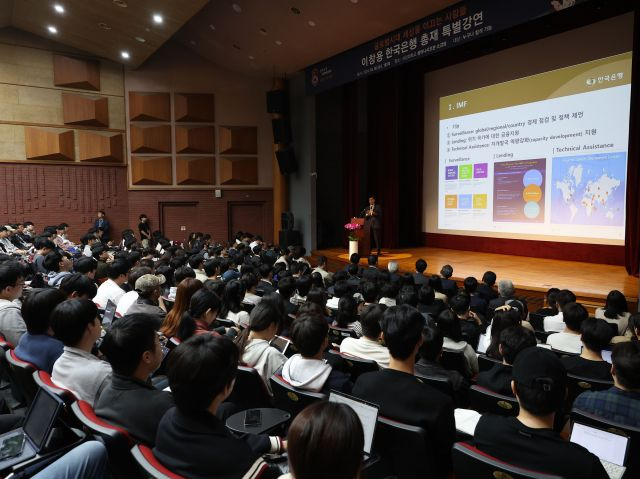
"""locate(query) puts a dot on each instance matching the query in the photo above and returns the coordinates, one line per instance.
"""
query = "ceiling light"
(52, 29)
(140, 39)
(58, 8)
(263, 31)
(157, 18)
(125, 55)
(278, 42)
(212, 27)
(251, 57)
(311, 23)
(104, 26)
(236, 7)
(295, 10)
(120, 3)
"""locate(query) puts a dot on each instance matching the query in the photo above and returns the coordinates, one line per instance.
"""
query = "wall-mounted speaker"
(281, 131)
(286, 161)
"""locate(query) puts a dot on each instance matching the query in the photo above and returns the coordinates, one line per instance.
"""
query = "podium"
(364, 236)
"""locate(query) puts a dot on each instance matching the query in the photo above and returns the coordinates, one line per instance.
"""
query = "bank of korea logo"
(315, 77)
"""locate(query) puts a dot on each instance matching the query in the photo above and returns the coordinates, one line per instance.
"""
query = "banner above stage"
(461, 23)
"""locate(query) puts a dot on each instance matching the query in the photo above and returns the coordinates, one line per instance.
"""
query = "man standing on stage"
(372, 214)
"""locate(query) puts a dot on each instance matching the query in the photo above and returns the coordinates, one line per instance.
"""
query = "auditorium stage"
(531, 276)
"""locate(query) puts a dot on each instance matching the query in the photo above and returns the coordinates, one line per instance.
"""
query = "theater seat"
(249, 390)
(149, 465)
(471, 463)
(356, 365)
(484, 401)
(116, 439)
(43, 380)
(336, 334)
(440, 383)
(454, 361)
(485, 362)
(404, 450)
(22, 373)
(292, 399)
(576, 385)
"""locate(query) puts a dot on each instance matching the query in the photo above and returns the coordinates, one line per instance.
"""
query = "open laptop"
(24, 443)
(280, 343)
(610, 448)
(109, 314)
(368, 414)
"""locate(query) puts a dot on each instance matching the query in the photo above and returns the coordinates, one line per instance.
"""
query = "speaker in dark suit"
(372, 215)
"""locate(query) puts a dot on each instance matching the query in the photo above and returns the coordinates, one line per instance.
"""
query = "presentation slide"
(541, 155)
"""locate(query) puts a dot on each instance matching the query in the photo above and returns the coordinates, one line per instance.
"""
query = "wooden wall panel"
(72, 72)
(44, 144)
(195, 139)
(149, 106)
(238, 140)
(194, 107)
(239, 171)
(84, 110)
(100, 147)
(151, 139)
(195, 170)
(151, 170)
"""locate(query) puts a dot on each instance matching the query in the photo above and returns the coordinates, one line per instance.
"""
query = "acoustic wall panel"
(151, 139)
(149, 106)
(52, 145)
(84, 110)
(151, 170)
(99, 147)
(195, 170)
(194, 107)
(238, 171)
(72, 72)
(195, 139)
(238, 140)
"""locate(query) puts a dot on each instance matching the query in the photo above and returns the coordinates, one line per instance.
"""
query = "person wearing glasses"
(135, 351)
(12, 326)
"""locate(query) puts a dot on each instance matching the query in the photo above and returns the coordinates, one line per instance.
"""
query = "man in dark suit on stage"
(372, 214)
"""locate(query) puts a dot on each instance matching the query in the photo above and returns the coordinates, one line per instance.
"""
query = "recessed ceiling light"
(125, 55)
(58, 8)
(251, 57)
(104, 26)
(212, 27)
(263, 31)
(52, 29)
(140, 39)
(236, 7)
(278, 42)
(157, 18)
(311, 23)
(120, 3)
(295, 10)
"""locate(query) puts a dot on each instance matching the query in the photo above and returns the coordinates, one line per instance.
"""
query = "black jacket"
(375, 220)
(134, 406)
(497, 379)
(404, 398)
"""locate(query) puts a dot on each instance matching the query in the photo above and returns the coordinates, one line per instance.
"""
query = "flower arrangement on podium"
(352, 228)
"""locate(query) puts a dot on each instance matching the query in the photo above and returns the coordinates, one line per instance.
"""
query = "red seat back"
(150, 465)
(22, 372)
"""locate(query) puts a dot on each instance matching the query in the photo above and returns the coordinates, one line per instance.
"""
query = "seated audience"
(253, 341)
(403, 397)
(388, 293)
(131, 296)
(528, 440)
(111, 289)
(506, 291)
(347, 315)
(504, 317)
(266, 279)
(325, 440)
(78, 285)
(184, 292)
(552, 307)
(86, 266)
(12, 326)
(43, 246)
(196, 262)
(470, 323)
(231, 308)
(427, 302)
(197, 319)
(250, 282)
(429, 365)
(476, 302)
(615, 311)
(513, 341)
(38, 346)
(134, 350)
(59, 267)
(307, 370)
(369, 345)
(449, 286)
(340, 290)
(555, 323)
(486, 288)
(191, 440)
(286, 289)
(595, 335)
(621, 403)
(149, 301)
(573, 314)
(449, 325)
(75, 322)
(419, 277)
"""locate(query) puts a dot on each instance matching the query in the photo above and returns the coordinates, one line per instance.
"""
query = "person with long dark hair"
(231, 308)
(615, 311)
(347, 316)
(203, 310)
(185, 291)
(449, 325)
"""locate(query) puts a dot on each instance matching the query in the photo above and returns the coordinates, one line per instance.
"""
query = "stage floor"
(532, 276)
